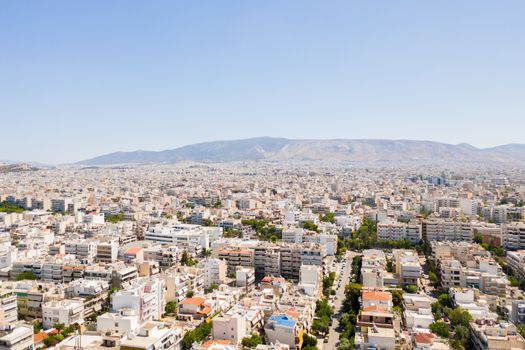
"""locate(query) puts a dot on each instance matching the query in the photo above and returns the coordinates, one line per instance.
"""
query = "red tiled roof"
(39, 337)
(216, 341)
(423, 338)
(382, 296)
(197, 301)
(133, 250)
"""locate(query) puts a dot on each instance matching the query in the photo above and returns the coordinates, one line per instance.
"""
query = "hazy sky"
(83, 78)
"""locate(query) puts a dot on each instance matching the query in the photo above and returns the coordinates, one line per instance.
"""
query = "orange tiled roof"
(39, 337)
(382, 296)
(423, 338)
(197, 301)
(205, 310)
(133, 250)
(216, 341)
(374, 308)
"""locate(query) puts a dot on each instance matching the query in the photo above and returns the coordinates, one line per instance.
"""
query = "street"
(333, 335)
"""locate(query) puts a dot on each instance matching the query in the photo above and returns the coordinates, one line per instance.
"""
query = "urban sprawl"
(266, 256)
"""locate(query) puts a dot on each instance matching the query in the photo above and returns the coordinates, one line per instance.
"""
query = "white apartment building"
(397, 231)
(514, 236)
(244, 276)
(294, 235)
(267, 259)
(145, 296)
(230, 327)
(310, 279)
(82, 249)
(407, 267)
(516, 261)
(469, 207)
(8, 307)
(123, 321)
(451, 273)
(445, 230)
(185, 235)
(16, 337)
(153, 336)
(107, 252)
(182, 280)
(214, 272)
(64, 311)
(373, 268)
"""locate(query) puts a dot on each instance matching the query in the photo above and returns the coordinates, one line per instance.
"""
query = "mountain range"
(281, 149)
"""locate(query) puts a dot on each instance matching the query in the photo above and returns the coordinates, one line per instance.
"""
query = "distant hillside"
(279, 149)
(15, 167)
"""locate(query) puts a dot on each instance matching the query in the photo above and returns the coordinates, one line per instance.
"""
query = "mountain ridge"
(282, 149)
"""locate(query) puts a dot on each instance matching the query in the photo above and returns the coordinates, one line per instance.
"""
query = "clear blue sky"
(83, 78)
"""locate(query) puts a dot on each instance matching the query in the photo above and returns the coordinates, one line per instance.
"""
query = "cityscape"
(262, 175)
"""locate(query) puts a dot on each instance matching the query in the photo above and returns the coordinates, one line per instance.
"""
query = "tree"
(207, 222)
(26, 275)
(189, 294)
(171, 307)
(309, 341)
(186, 259)
(58, 326)
(440, 328)
(462, 335)
(411, 289)
(513, 281)
(328, 217)
(8, 207)
(114, 218)
(478, 238)
(346, 344)
(433, 278)
(459, 316)
(444, 300)
(521, 329)
(389, 267)
(196, 335)
(212, 287)
(310, 226)
(397, 297)
(252, 341)
(321, 325)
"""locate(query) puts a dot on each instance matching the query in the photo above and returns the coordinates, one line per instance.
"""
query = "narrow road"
(333, 335)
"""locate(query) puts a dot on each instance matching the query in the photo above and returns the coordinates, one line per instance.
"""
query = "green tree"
(189, 294)
(196, 335)
(212, 287)
(8, 207)
(462, 335)
(114, 218)
(346, 344)
(328, 217)
(444, 300)
(309, 341)
(478, 238)
(26, 275)
(440, 328)
(459, 316)
(310, 226)
(186, 260)
(432, 276)
(397, 297)
(252, 341)
(411, 289)
(207, 222)
(171, 307)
